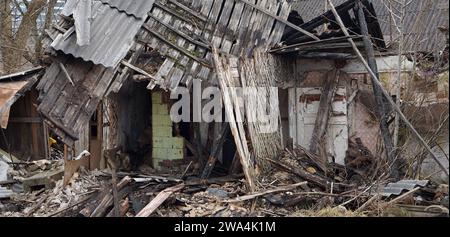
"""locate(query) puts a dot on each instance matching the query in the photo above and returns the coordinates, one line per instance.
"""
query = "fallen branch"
(159, 200)
(366, 204)
(316, 180)
(255, 195)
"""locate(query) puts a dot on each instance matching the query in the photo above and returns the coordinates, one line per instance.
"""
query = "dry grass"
(328, 212)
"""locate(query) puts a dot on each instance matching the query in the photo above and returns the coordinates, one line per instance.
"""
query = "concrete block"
(45, 179)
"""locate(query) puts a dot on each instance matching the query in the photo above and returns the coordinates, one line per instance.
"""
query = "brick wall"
(166, 148)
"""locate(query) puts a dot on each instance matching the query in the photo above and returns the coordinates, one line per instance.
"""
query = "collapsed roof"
(108, 40)
(424, 21)
(13, 87)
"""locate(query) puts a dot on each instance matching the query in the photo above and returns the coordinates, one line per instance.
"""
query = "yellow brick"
(159, 153)
(160, 109)
(161, 120)
(177, 143)
(156, 98)
(175, 154)
(162, 131)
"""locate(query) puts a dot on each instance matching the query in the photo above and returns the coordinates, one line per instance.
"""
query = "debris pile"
(297, 186)
(47, 202)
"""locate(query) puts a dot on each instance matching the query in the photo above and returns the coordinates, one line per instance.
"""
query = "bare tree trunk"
(38, 48)
(6, 35)
(14, 46)
(398, 92)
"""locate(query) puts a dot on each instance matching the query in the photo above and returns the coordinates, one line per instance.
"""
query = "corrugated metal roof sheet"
(422, 21)
(69, 7)
(401, 186)
(112, 35)
(137, 8)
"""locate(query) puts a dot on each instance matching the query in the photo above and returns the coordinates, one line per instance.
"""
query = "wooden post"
(217, 147)
(237, 128)
(381, 109)
(326, 105)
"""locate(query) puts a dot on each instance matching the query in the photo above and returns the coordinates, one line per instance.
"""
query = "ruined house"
(114, 64)
(22, 126)
(121, 74)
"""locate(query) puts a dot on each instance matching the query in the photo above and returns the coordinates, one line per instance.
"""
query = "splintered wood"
(325, 108)
(256, 77)
(226, 79)
(159, 199)
(184, 31)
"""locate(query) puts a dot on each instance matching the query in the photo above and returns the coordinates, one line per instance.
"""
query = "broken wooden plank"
(281, 20)
(259, 194)
(217, 147)
(313, 179)
(178, 48)
(219, 180)
(111, 160)
(66, 73)
(20, 74)
(325, 108)
(107, 201)
(136, 69)
(159, 200)
(188, 10)
(180, 33)
(224, 75)
(124, 207)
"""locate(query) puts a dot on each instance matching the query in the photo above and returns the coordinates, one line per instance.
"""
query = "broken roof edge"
(86, 60)
(30, 82)
(111, 21)
(138, 11)
(20, 74)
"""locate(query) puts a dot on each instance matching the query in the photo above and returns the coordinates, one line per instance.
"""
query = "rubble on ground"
(292, 192)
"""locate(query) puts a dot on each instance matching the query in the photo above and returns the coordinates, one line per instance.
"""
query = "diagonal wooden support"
(325, 108)
(388, 97)
(382, 107)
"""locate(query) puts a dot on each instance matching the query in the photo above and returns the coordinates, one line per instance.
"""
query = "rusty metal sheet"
(10, 92)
